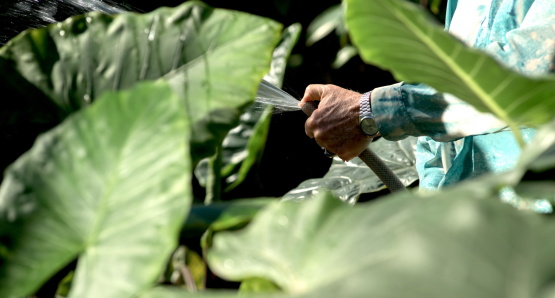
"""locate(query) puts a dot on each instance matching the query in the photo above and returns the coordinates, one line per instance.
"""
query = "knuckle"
(318, 136)
(309, 123)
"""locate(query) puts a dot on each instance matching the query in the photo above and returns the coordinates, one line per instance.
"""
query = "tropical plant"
(459, 242)
(333, 20)
(57, 70)
(125, 120)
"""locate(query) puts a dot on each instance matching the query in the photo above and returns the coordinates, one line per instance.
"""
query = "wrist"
(367, 122)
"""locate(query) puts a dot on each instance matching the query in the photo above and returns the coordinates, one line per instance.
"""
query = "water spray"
(270, 94)
(19, 15)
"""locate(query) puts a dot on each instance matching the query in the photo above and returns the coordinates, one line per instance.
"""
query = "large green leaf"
(206, 53)
(457, 243)
(221, 216)
(281, 54)
(400, 36)
(245, 143)
(540, 154)
(174, 292)
(109, 186)
(325, 23)
(344, 55)
(349, 180)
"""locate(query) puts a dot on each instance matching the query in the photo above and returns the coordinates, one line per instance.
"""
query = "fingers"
(349, 151)
(309, 126)
(312, 93)
(334, 124)
(307, 130)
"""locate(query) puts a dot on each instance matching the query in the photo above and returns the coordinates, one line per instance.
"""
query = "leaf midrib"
(472, 84)
(398, 12)
(112, 180)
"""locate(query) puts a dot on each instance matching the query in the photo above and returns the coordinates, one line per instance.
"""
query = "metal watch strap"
(366, 118)
(365, 107)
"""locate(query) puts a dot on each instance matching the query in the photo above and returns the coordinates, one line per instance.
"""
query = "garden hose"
(370, 158)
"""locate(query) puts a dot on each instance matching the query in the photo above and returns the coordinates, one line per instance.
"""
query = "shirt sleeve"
(403, 110)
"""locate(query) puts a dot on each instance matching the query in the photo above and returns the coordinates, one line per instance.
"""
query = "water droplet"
(151, 35)
(89, 20)
(62, 33)
(87, 98)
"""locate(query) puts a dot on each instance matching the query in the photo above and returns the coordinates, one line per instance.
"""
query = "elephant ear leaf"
(350, 180)
(244, 145)
(58, 69)
(399, 36)
(75, 61)
(88, 186)
(401, 246)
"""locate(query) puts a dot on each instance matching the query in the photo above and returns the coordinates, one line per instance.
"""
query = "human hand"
(335, 124)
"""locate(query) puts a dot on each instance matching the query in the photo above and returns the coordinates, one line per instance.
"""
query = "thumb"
(312, 93)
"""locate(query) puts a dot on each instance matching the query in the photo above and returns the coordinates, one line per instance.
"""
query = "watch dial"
(368, 126)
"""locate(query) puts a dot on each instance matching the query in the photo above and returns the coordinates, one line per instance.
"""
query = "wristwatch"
(366, 118)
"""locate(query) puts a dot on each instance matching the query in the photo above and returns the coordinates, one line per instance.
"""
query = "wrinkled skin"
(334, 125)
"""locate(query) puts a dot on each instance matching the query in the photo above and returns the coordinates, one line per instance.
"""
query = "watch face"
(368, 126)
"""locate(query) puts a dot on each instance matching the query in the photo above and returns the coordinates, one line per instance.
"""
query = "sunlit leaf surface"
(244, 144)
(398, 36)
(109, 187)
(330, 20)
(349, 180)
(58, 69)
(457, 243)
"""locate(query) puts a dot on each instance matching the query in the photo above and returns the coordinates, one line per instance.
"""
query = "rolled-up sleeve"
(403, 110)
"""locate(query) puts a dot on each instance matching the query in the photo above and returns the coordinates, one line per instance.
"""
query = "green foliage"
(349, 180)
(58, 69)
(222, 216)
(79, 191)
(382, 29)
(459, 242)
(244, 144)
(332, 19)
(258, 285)
(110, 186)
(289, 38)
(85, 190)
(467, 246)
(174, 292)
